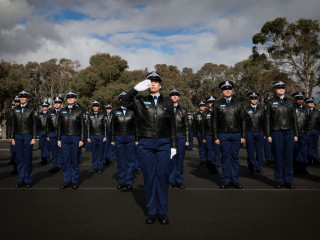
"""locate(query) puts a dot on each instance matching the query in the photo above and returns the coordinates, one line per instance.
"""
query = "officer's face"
(12, 106)
(310, 105)
(175, 98)
(95, 108)
(299, 101)
(210, 104)
(280, 91)
(57, 105)
(71, 100)
(23, 100)
(109, 110)
(44, 109)
(227, 92)
(189, 116)
(254, 101)
(202, 108)
(154, 87)
(16, 103)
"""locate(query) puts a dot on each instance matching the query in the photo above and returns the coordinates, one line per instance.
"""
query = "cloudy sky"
(185, 33)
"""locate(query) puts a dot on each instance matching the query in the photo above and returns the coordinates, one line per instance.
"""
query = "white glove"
(141, 86)
(173, 152)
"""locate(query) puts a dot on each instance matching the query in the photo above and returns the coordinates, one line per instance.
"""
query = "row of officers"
(152, 132)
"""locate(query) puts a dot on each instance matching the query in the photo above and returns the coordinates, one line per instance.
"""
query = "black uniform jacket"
(182, 125)
(153, 121)
(53, 119)
(314, 123)
(228, 119)
(71, 122)
(255, 119)
(122, 125)
(24, 122)
(280, 116)
(197, 122)
(108, 118)
(206, 124)
(96, 124)
(190, 124)
(42, 119)
(303, 118)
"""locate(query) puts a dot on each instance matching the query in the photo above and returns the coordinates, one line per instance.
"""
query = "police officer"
(197, 128)
(109, 149)
(191, 134)
(313, 136)
(157, 143)
(53, 117)
(123, 136)
(43, 133)
(268, 154)
(23, 136)
(255, 117)
(282, 132)
(206, 135)
(176, 174)
(14, 103)
(229, 131)
(70, 139)
(87, 144)
(97, 136)
(300, 147)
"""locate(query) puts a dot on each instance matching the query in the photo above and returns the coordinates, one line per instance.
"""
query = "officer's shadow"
(244, 173)
(200, 171)
(140, 197)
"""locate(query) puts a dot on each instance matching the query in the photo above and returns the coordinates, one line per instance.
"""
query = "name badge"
(275, 103)
(147, 103)
(250, 112)
(52, 114)
(209, 115)
(222, 105)
(64, 112)
(91, 116)
(17, 110)
(119, 113)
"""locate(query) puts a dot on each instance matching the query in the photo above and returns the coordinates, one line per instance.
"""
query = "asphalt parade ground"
(97, 210)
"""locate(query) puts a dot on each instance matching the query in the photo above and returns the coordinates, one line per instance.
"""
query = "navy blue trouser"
(126, 158)
(24, 157)
(13, 156)
(154, 154)
(255, 142)
(57, 158)
(202, 151)
(300, 153)
(97, 150)
(230, 144)
(138, 164)
(212, 148)
(44, 147)
(190, 147)
(268, 154)
(313, 140)
(70, 151)
(176, 173)
(283, 144)
(87, 145)
(109, 149)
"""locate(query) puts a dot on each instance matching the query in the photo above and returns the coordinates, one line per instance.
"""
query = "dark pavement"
(97, 210)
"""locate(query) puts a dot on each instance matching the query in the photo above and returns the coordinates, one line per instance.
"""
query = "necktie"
(95, 115)
(254, 109)
(22, 109)
(175, 109)
(155, 98)
(228, 102)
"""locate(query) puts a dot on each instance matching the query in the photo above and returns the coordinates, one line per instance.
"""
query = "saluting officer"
(43, 133)
(23, 136)
(191, 134)
(282, 132)
(97, 136)
(157, 142)
(255, 119)
(206, 135)
(176, 174)
(123, 136)
(229, 131)
(197, 128)
(313, 137)
(70, 139)
(109, 149)
(57, 157)
(300, 147)
(268, 153)
(14, 103)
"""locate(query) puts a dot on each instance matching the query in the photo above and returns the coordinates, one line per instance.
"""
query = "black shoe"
(213, 171)
(64, 185)
(163, 219)
(75, 185)
(14, 172)
(237, 185)
(100, 171)
(28, 185)
(181, 185)
(43, 162)
(54, 170)
(289, 185)
(277, 185)
(94, 171)
(137, 171)
(150, 219)
(269, 162)
(224, 185)
(203, 163)
(121, 186)
(19, 185)
(260, 171)
(129, 186)
(113, 163)
(251, 171)
(172, 185)
(305, 172)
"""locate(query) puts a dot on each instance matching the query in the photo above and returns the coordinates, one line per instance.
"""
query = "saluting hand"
(143, 85)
